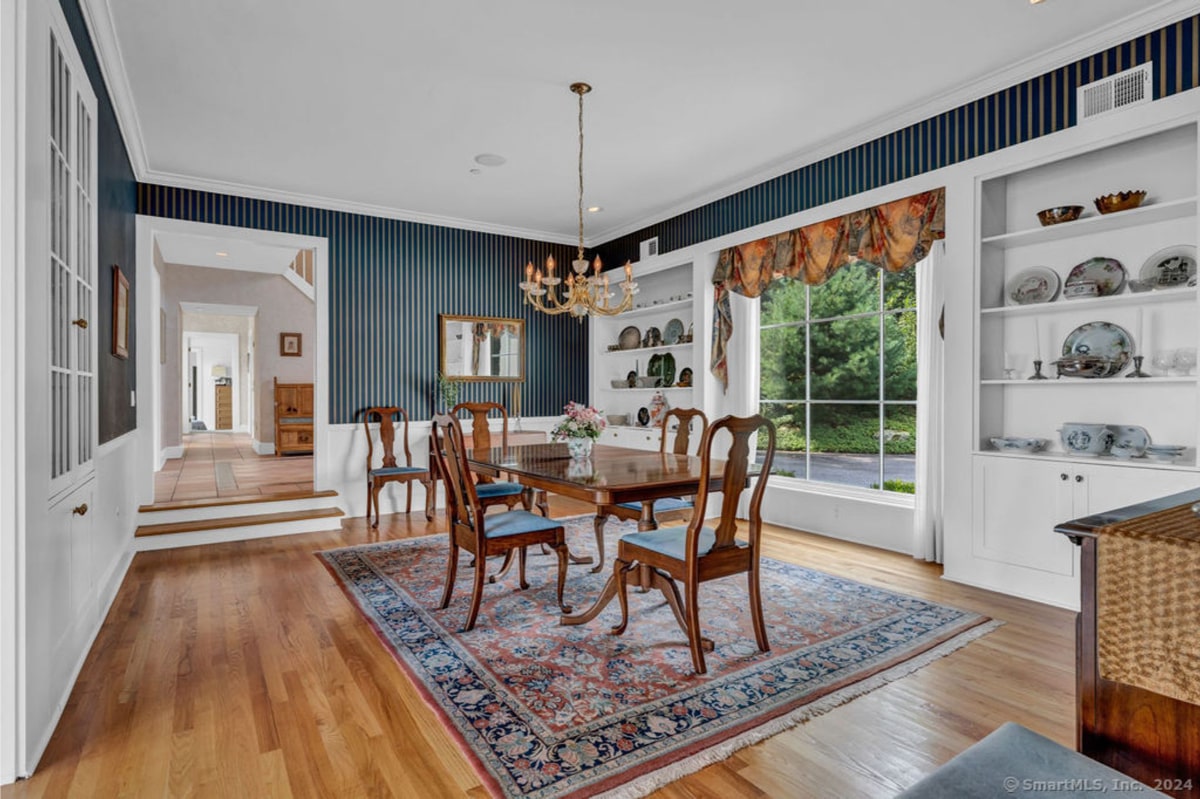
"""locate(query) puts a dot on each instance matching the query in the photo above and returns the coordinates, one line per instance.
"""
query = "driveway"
(848, 469)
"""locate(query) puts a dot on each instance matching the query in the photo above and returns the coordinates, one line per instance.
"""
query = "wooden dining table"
(611, 475)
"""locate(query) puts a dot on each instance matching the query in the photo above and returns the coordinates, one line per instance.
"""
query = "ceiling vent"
(1131, 87)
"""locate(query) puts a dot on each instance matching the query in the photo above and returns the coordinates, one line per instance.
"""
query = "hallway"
(224, 465)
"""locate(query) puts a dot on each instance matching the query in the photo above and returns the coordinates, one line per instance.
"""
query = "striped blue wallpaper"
(388, 281)
(1038, 106)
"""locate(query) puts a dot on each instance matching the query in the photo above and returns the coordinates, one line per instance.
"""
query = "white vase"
(579, 447)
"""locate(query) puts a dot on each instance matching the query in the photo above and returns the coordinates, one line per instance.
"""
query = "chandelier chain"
(581, 176)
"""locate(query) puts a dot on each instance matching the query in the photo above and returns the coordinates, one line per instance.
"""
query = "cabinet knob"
(1063, 476)
(1079, 478)
(80, 509)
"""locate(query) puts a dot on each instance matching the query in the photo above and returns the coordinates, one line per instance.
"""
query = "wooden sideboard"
(1150, 736)
(293, 418)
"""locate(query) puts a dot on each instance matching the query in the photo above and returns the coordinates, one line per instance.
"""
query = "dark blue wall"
(388, 281)
(1038, 106)
(115, 209)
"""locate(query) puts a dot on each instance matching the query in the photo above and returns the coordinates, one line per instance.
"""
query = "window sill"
(892, 499)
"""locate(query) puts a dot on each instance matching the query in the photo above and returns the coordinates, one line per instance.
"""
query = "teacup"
(1084, 288)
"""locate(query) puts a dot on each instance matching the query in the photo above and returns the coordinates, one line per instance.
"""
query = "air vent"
(1131, 87)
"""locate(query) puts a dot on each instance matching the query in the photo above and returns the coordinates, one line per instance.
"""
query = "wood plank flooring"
(241, 670)
(225, 465)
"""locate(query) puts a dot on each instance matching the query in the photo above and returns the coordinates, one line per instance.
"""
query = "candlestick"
(1137, 368)
(1037, 372)
(1138, 345)
(1037, 339)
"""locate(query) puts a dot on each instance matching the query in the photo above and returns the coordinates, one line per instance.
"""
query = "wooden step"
(236, 521)
(184, 504)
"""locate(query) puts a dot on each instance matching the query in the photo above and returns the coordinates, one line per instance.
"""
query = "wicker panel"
(1148, 597)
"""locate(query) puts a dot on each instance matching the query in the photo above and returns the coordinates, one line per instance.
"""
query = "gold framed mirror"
(482, 348)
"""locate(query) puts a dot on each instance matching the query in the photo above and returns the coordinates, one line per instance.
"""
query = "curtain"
(892, 236)
(928, 525)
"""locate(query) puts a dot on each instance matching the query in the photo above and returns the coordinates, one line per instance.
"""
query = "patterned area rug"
(549, 711)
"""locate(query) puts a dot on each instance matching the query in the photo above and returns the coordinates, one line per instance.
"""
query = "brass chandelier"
(584, 295)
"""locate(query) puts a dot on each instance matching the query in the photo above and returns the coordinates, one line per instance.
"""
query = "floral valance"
(893, 236)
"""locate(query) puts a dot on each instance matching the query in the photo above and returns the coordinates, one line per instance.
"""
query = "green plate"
(662, 364)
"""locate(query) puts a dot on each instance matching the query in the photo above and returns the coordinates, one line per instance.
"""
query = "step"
(218, 508)
(226, 522)
(260, 526)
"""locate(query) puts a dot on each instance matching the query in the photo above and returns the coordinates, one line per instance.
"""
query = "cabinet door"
(1104, 488)
(306, 400)
(1017, 504)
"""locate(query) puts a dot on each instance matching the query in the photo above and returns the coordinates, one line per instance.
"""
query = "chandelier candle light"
(584, 295)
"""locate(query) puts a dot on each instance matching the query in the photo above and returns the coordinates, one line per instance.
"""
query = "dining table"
(611, 475)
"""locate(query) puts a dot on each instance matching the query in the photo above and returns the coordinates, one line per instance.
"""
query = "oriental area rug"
(547, 711)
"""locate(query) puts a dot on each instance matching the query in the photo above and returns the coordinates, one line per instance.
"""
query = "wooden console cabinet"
(1147, 735)
(293, 418)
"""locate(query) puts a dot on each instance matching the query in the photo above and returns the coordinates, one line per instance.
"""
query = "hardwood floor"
(225, 465)
(241, 670)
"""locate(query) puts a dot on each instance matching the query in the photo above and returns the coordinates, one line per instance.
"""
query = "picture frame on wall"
(289, 345)
(120, 313)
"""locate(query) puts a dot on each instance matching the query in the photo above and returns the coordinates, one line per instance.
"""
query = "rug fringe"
(647, 783)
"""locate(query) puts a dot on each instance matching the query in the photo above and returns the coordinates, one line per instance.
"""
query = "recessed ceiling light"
(1034, 2)
(222, 254)
(490, 159)
(595, 209)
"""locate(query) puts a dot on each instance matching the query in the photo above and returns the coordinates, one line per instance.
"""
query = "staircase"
(208, 521)
(300, 273)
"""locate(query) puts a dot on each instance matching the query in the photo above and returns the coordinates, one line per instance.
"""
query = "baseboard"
(104, 599)
(263, 447)
(168, 453)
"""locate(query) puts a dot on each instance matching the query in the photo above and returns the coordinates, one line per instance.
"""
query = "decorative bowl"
(1018, 444)
(617, 419)
(649, 381)
(1138, 286)
(1120, 201)
(1125, 453)
(1085, 439)
(1083, 288)
(1087, 366)
(1060, 213)
(619, 383)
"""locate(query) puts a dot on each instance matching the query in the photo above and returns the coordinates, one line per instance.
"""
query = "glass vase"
(579, 447)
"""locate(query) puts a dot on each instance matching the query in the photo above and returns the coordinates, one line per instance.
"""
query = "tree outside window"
(838, 376)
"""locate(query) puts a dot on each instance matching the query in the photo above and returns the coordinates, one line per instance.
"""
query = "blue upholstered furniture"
(485, 535)
(390, 470)
(1014, 761)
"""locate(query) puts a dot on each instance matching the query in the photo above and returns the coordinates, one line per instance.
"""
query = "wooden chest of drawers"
(293, 418)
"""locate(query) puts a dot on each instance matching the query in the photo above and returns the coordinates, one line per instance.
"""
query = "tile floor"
(224, 465)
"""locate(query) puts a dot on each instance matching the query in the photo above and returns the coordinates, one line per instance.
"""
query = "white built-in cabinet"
(1017, 497)
(665, 297)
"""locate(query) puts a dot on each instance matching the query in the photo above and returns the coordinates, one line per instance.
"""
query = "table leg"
(647, 522)
(606, 595)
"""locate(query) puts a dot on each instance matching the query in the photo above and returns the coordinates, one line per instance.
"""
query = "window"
(838, 376)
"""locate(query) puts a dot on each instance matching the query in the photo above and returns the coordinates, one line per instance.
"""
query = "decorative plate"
(685, 377)
(1016, 444)
(1171, 267)
(1130, 436)
(631, 378)
(653, 337)
(673, 332)
(1033, 285)
(643, 417)
(1100, 340)
(630, 338)
(1106, 273)
(662, 364)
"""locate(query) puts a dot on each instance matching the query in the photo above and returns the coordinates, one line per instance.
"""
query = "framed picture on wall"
(120, 314)
(289, 344)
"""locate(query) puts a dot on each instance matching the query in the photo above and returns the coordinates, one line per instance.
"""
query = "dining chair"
(698, 553)
(389, 469)
(480, 534)
(490, 490)
(647, 514)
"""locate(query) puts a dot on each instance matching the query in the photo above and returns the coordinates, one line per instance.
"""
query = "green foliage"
(448, 391)
(899, 486)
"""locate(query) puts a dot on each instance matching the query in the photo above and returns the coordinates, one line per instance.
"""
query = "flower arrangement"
(582, 421)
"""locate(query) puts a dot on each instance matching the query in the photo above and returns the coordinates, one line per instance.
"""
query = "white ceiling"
(195, 250)
(381, 106)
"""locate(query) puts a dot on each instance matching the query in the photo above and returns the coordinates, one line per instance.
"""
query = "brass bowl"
(1059, 213)
(1120, 201)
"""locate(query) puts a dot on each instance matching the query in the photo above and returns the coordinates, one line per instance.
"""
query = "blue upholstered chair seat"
(672, 541)
(386, 470)
(490, 490)
(515, 522)
(660, 505)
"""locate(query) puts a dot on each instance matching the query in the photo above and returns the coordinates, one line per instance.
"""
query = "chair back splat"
(462, 502)
(733, 482)
(390, 469)
(683, 434)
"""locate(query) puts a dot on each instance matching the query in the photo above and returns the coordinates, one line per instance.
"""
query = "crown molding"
(97, 16)
(349, 206)
(1143, 22)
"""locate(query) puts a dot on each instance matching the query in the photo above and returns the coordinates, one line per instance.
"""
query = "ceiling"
(382, 106)
(185, 249)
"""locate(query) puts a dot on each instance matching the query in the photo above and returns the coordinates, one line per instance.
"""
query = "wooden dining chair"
(490, 490)
(389, 469)
(697, 553)
(647, 514)
(483, 535)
